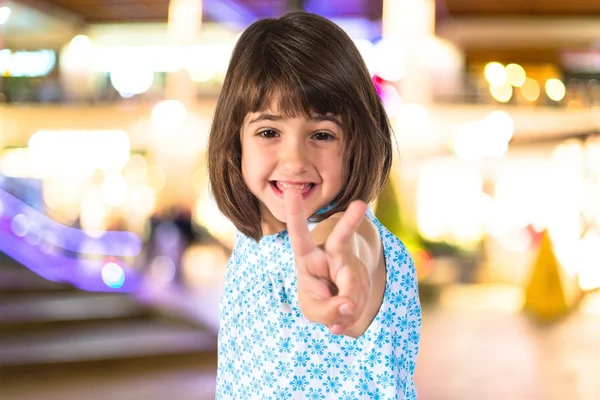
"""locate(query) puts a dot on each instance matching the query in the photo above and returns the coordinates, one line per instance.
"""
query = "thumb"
(325, 311)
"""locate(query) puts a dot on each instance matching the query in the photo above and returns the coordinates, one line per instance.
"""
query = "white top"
(268, 350)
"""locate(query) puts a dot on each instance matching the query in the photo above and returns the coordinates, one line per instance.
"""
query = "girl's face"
(279, 151)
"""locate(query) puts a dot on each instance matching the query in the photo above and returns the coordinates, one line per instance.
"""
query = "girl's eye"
(268, 134)
(323, 136)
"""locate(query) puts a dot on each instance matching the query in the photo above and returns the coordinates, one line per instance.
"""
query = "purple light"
(58, 267)
(114, 243)
(229, 12)
(53, 251)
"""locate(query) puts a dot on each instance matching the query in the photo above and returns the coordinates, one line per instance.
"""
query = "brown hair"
(309, 65)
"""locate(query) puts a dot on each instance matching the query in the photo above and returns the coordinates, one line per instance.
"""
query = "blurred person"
(320, 298)
(170, 235)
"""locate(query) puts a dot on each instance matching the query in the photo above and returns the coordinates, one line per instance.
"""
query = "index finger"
(300, 238)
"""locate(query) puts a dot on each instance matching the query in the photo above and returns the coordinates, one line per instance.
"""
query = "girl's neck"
(271, 225)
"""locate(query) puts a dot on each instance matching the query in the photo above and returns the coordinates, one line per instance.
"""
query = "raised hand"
(333, 284)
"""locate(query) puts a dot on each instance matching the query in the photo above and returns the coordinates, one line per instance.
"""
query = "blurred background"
(112, 252)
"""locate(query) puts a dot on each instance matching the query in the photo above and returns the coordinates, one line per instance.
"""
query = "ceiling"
(93, 11)
(97, 11)
(522, 8)
(107, 10)
(514, 30)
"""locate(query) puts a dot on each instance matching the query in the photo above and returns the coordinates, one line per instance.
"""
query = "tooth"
(285, 185)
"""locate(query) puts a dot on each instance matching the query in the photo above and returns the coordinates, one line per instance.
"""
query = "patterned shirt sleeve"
(414, 325)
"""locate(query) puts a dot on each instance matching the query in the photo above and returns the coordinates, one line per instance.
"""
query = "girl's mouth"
(306, 188)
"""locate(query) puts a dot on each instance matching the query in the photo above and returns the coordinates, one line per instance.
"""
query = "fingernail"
(345, 309)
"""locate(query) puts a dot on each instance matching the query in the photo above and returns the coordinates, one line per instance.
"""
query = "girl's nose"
(293, 158)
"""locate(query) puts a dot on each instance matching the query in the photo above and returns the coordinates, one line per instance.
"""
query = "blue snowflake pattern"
(315, 394)
(286, 320)
(300, 359)
(333, 360)
(269, 354)
(348, 373)
(385, 380)
(382, 338)
(373, 358)
(362, 387)
(302, 334)
(268, 377)
(285, 344)
(317, 346)
(402, 324)
(283, 369)
(316, 371)
(282, 393)
(299, 383)
(332, 384)
(268, 350)
(345, 395)
(407, 282)
(349, 349)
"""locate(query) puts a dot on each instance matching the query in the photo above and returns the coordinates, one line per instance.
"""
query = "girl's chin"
(276, 217)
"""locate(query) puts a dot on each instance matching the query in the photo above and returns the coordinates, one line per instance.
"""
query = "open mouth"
(305, 187)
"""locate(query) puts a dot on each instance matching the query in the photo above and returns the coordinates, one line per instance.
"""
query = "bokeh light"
(368, 53)
(485, 138)
(502, 93)
(392, 100)
(78, 153)
(530, 89)
(555, 89)
(76, 62)
(389, 59)
(114, 190)
(33, 236)
(130, 80)
(156, 178)
(140, 200)
(135, 171)
(163, 269)
(208, 61)
(206, 213)
(27, 63)
(113, 275)
(80, 41)
(495, 73)
(515, 74)
(93, 212)
(168, 115)
(589, 273)
(4, 14)
(20, 225)
(48, 243)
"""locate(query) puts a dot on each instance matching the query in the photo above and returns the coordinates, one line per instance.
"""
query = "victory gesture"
(334, 284)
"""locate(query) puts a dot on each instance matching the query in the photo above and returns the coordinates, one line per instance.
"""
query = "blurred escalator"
(51, 329)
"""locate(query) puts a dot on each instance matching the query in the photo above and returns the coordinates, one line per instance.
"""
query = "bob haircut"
(308, 65)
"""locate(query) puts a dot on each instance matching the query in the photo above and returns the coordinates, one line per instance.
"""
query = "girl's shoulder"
(390, 242)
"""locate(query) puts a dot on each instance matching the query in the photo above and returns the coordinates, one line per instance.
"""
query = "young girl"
(320, 300)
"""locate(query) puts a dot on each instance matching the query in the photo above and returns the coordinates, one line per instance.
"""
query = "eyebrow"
(313, 118)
